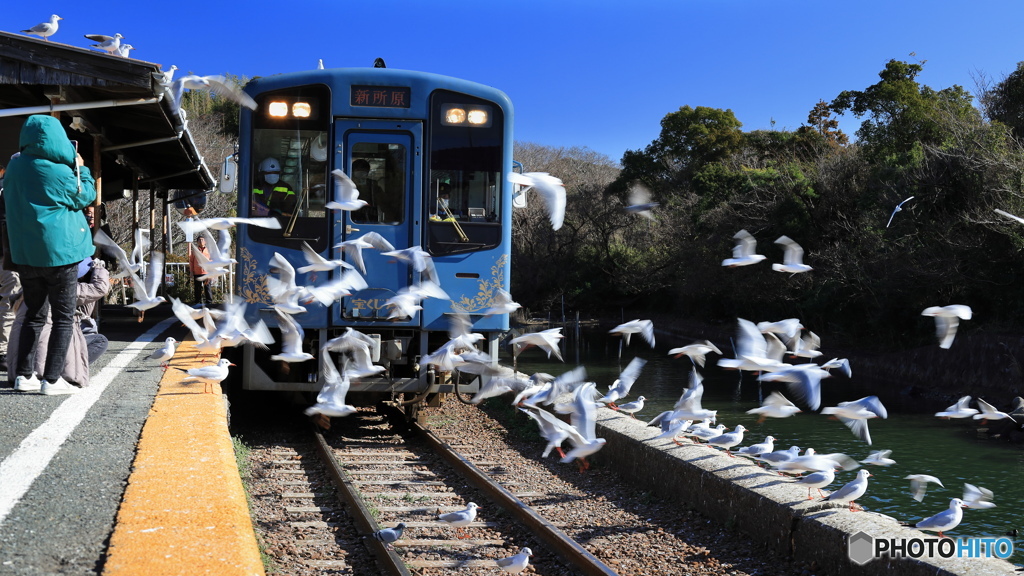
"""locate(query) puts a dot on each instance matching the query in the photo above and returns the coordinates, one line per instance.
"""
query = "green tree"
(1005, 101)
(689, 139)
(902, 115)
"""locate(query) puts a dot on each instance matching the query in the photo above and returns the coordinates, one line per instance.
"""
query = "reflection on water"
(950, 450)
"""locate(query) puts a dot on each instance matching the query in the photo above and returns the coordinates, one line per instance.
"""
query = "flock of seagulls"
(115, 46)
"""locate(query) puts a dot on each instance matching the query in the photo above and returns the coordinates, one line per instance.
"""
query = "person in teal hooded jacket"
(45, 190)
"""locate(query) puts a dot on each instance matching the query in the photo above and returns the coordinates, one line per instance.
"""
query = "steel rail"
(389, 561)
(553, 538)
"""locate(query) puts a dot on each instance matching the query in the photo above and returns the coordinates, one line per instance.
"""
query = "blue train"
(430, 156)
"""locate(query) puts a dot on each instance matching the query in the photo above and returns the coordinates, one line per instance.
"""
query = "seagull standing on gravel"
(517, 563)
(743, 254)
(852, 491)
(164, 353)
(388, 536)
(215, 373)
(947, 319)
(460, 519)
(46, 29)
(792, 259)
(946, 520)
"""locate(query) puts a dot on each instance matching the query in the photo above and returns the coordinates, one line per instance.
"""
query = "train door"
(383, 159)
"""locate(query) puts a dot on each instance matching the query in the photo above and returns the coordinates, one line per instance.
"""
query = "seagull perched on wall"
(215, 373)
(164, 353)
(46, 29)
(943, 521)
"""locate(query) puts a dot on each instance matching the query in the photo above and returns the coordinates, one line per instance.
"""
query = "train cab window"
(463, 200)
(290, 167)
(380, 175)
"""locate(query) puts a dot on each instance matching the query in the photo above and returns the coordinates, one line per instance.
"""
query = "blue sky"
(596, 74)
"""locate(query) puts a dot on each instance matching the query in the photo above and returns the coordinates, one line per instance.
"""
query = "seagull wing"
(222, 86)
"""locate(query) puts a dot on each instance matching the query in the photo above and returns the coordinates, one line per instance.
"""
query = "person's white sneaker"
(58, 387)
(27, 383)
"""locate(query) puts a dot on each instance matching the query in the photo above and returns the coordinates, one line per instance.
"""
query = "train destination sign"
(380, 96)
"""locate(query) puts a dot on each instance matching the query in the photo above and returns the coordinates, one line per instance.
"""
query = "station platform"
(135, 474)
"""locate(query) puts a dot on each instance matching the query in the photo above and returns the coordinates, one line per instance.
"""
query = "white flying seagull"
(291, 340)
(146, 296)
(899, 208)
(550, 189)
(947, 319)
(353, 249)
(696, 351)
(501, 303)
(46, 29)
(962, 409)
(330, 402)
(546, 340)
(977, 497)
(919, 484)
(640, 201)
(743, 254)
(317, 263)
(193, 227)
(775, 405)
(989, 412)
(219, 85)
(346, 195)
(644, 328)
(792, 259)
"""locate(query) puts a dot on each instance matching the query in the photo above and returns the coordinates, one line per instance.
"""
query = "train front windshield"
(464, 181)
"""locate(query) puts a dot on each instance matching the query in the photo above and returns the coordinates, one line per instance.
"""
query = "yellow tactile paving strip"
(184, 511)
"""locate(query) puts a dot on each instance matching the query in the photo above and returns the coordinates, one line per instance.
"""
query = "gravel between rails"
(631, 532)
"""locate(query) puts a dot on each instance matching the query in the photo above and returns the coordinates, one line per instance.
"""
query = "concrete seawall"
(768, 508)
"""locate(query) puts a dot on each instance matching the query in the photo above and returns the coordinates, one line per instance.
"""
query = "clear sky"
(590, 73)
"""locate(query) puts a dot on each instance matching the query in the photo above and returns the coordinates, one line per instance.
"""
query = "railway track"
(306, 530)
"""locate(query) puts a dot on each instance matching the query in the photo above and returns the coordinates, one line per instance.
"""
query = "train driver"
(270, 194)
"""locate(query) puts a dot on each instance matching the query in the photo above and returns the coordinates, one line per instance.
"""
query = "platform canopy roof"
(121, 100)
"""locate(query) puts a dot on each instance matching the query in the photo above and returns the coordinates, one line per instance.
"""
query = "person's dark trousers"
(52, 289)
(204, 293)
(96, 344)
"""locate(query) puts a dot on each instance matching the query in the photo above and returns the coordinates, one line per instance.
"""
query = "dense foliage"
(833, 197)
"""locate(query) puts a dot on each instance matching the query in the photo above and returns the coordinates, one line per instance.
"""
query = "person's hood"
(43, 136)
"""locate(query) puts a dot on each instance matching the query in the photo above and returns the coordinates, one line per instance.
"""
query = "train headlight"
(278, 109)
(455, 116)
(301, 109)
(477, 117)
